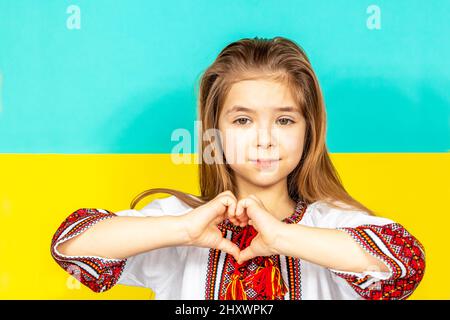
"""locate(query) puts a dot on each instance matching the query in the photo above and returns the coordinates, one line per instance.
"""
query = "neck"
(275, 197)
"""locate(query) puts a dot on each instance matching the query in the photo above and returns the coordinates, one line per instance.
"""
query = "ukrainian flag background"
(90, 92)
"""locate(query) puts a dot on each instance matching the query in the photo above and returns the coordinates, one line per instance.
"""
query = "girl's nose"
(265, 138)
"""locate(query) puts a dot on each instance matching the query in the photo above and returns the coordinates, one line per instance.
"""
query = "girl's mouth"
(265, 163)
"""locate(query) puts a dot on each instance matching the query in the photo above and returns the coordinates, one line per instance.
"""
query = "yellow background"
(39, 191)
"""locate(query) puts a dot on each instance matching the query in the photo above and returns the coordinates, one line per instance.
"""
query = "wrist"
(172, 230)
(280, 230)
(182, 224)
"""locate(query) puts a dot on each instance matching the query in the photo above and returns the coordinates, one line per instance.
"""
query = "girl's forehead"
(265, 85)
(255, 95)
(251, 109)
(258, 90)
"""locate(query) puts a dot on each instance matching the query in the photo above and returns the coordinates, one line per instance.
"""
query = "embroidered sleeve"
(403, 254)
(97, 273)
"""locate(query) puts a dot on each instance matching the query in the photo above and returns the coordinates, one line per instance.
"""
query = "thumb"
(246, 254)
(229, 247)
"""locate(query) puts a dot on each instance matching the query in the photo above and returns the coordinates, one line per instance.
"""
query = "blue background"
(125, 80)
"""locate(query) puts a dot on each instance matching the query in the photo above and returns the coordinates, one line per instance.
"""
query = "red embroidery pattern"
(247, 269)
(294, 274)
(211, 274)
(407, 268)
(98, 274)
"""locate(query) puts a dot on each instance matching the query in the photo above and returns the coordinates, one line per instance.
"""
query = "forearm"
(121, 237)
(330, 248)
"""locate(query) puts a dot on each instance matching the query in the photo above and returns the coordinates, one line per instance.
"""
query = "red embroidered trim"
(406, 249)
(294, 281)
(98, 274)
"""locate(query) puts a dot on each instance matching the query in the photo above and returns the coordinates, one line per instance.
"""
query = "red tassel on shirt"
(266, 281)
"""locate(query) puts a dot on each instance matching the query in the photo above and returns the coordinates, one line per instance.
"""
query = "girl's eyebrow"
(238, 108)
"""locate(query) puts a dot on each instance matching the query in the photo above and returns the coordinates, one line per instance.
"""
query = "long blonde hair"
(315, 178)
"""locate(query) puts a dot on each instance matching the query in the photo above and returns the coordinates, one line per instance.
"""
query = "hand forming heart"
(201, 225)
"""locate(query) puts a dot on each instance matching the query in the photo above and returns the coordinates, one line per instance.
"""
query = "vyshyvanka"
(188, 272)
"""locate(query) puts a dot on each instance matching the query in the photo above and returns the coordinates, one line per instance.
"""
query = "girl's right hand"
(201, 224)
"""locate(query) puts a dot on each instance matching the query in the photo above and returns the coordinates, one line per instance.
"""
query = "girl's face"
(254, 130)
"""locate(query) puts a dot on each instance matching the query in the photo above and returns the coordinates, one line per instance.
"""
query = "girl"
(278, 224)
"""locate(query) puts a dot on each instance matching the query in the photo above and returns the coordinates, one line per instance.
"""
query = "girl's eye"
(287, 120)
(243, 121)
(240, 122)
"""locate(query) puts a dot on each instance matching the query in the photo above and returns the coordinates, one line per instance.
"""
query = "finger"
(242, 212)
(232, 199)
(231, 213)
(229, 247)
(255, 212)
(219, 207)
(239, 223)
(241, 205)
(232, 209)
(230, 194)
(243, 218)
(240, 219)
(213, 211)
(245, 208)
(246, 254)
(228, 203)
(219, 219)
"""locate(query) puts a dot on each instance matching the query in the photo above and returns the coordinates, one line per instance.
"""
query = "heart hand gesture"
(264, 243)
(201, 225)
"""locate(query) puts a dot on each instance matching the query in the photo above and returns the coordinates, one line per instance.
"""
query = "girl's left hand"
(268, 227)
